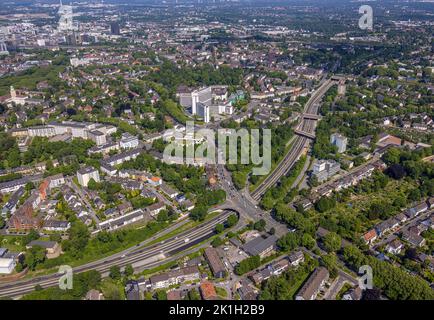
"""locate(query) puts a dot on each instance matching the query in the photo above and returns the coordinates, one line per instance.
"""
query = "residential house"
(156, 208)
(395, 247)
(168, 191)
(207, 291)
(370, 236)
(296, 258)
(353, 294)
(94, 295)
(56, 226)
(413, 238)
(313, 285)
(132, 290)
(7, 265)
(52, 248)
(174, 277)
(215, 263)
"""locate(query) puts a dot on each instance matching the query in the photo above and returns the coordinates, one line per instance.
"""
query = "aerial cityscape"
(243, 150)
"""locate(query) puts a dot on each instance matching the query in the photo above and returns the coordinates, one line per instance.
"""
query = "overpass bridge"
(305, 134)
(310, 116)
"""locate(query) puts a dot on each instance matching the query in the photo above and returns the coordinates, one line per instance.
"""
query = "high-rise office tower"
(114, 28)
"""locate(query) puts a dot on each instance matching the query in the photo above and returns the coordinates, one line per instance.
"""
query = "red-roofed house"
(207, 290)
(370, 236)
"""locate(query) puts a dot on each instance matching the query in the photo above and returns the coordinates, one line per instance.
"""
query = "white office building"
(340, 141)
(42, 131)
(207, 102)
(325, 169)
(66, 18)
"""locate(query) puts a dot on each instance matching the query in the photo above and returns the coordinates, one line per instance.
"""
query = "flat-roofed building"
(7, 265)
(85, 174)
(261, 246)
(128, 141)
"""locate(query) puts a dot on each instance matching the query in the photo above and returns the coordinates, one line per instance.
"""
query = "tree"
(115, 272)
(78, 238)
(354, 257)
(396, 171)
(325, 204)
(308, 241)
(34, 256)
(259, 225)
(199, 213)
(411, 254)
(232, 220)
(92, 184)
(161, 295)
(371, 294)
(330, 262)
(193, 294)
(55, 237)
(219, 228)
(217, 242)
(163, 215)
(392, 156)
(29, 186)
(129, 270)
(288, 242)
(32, 235)
(332, 242)
(247, 265)
(111, 290)
(14, 158)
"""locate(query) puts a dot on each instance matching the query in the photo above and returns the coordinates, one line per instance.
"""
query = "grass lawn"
(297, 285)
(221, 292)
(8, 243)
(344, 289)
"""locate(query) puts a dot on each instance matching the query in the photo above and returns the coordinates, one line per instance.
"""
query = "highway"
(299, 144)
(158, 252)
(242, 203)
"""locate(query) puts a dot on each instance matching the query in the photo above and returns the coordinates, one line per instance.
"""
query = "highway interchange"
(240, 202)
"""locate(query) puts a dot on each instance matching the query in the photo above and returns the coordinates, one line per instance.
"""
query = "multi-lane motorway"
(242, 203)
(299, 143)
(148, 255)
